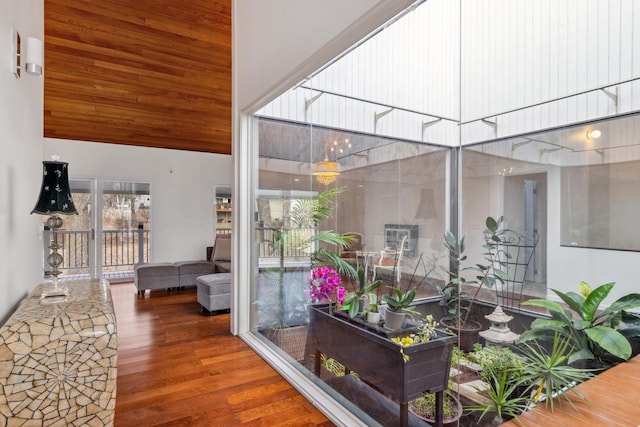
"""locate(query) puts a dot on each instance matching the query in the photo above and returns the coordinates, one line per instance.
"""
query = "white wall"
(182, 188)
(20, 159)
(278, 42)
(568, 266)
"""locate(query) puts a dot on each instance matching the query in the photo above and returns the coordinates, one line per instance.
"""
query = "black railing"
(121, 249)
(294, 244)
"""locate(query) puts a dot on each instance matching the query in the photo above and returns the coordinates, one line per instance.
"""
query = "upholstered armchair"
(220, 253)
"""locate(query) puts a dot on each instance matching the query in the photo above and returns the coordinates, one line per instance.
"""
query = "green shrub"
(495, 361)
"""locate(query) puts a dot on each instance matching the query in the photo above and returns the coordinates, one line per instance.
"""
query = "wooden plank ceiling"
(154, 73)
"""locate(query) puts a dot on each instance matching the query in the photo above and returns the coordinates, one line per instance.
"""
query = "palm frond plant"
(322, 246)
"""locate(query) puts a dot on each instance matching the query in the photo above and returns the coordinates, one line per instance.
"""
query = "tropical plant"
(308, 213)
(457, 303)
(548, 371)
(592, 332)
(352, 299)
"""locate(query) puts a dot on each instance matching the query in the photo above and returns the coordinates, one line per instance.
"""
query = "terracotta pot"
(468, 334)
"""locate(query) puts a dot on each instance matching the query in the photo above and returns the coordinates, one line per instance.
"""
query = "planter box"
(368, 350)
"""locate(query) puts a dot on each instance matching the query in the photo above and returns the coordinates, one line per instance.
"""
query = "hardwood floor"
(179, 368)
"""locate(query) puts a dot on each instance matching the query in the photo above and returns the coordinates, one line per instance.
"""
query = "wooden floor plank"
(177, 367)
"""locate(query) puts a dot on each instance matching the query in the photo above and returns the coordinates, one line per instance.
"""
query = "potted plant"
(424, 407)
(372, 315)
(398, 306)
(457, 303)
(399, 302)
(593, 332)
(287, 326)
(355, 300)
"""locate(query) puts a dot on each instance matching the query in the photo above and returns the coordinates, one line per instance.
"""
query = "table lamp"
(55, 198)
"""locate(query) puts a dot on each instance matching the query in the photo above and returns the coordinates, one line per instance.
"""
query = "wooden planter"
(369, 351)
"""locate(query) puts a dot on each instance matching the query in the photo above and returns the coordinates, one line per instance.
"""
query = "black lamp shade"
(55, 194)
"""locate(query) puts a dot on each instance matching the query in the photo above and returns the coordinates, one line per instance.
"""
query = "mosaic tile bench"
(58, 359)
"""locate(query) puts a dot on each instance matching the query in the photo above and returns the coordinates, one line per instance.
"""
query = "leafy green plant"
(352, 299)
(592, 332)
(548, 371)
(457, 303)
(494, 361)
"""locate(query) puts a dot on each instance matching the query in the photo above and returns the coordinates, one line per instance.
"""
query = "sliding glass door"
(111, 232)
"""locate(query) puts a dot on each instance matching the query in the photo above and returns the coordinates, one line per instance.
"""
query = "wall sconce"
(32, 56)
(33, 62)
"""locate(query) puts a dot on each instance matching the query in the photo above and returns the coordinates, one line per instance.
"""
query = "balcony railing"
(121, 250)
(295, 245)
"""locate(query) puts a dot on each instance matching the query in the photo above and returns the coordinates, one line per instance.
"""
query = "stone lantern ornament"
(499, 333)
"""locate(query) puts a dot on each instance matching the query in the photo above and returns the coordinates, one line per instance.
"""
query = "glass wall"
(389, 189)
(426, 127)
(577, 193)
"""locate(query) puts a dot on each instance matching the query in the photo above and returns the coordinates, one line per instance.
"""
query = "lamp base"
(54, 292)
(54, 295)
